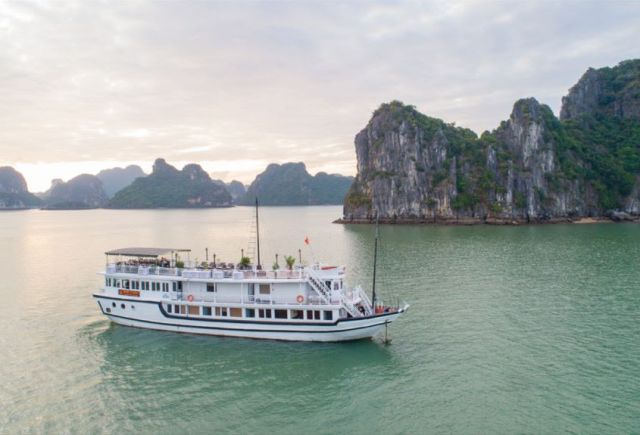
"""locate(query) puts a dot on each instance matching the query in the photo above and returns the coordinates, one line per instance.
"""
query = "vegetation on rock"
(291, 184)
(168, 187)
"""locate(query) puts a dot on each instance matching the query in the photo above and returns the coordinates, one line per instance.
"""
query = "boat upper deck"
(205, 273)
(152, 261)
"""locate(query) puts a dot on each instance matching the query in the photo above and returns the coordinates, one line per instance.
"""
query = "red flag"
(306, 240)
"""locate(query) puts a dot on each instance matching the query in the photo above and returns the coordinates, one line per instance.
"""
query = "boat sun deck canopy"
(146, 252)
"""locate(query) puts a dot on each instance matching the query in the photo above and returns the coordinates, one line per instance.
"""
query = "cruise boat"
(153, 288)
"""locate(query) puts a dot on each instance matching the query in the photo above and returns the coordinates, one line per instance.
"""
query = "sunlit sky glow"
(234, 86)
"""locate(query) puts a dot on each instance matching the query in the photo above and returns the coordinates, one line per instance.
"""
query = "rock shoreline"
(467, 221)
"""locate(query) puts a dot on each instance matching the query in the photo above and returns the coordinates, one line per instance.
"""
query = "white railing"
(197, 273)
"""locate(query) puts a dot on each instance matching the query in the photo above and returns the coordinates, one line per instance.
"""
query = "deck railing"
(236, 274)
(257, 300)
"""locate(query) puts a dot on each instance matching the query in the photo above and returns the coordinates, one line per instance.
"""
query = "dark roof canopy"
(145, 252)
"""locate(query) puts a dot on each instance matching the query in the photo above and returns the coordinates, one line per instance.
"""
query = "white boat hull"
(149, 315)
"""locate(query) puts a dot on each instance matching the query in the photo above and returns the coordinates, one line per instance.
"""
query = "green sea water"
(532, 329)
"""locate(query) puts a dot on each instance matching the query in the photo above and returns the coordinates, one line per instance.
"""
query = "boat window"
(211, 287)
(206, 311)
(118, 283)
(183, 309)
(180, 286)
(309, 315)
(113, 304)
(336, 286)
(223, 311)
(264, 314)
(297, 314)
(165, 286)
(265, 289)
(316, 315)
(235, 312)
(328, 284)
(122, 306)
(249, 312)
(107, 282)
(328, 315)
(175, 285)
(177, 309)
(194, 310)
(280, 314)
(169, 308)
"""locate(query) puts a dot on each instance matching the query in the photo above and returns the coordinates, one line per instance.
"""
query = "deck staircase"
(321, 288)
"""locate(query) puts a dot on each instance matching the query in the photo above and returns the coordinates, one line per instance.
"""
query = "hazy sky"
(87, 85)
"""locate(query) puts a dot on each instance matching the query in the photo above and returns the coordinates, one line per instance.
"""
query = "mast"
(257, 233)
(375, 262)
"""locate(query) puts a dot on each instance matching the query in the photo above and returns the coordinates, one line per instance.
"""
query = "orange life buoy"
(300, 299)
(190, 298)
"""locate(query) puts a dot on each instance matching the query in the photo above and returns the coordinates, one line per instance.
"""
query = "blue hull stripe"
(169, 316)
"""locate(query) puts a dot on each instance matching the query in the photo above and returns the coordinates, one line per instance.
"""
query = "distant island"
(13, 191)
(291, 184)
(116, 179)
(81, 192)
(533, 168)
(169, 187)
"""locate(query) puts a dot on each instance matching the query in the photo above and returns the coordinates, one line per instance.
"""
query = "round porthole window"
(108, 310)
(113, 304)
(122, 306)
(133, 307)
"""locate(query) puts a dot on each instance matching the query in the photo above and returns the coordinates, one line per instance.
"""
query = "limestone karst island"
(533, 168)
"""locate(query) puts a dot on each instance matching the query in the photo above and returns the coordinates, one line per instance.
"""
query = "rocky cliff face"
(13, 190)
(83, 191)
(532, 168)
(169, 187)
(291, 184)
(606, 91)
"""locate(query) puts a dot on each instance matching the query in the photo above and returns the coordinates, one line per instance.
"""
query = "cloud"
(278, 81)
